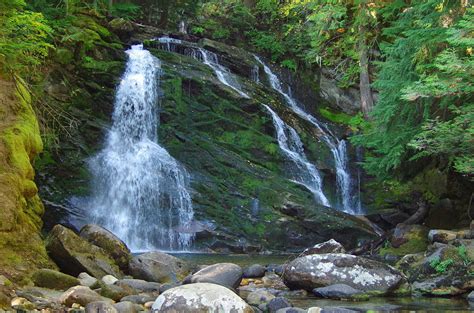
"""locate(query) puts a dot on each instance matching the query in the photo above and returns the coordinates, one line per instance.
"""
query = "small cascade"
(169, 44)
(183, 27)
(338, 147)
(223, 74)
(301, 170)
(140, 190)
(255, 74)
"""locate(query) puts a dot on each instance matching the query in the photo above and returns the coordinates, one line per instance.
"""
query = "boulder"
(278, 303)
(403, 234)
(441, 286)
(139, 285)
(75, 255)
(198, 298)
(440, 235)
(158, 267)
(254, 271)
(259, 297)
(110, 243)
(82, 295)
(320, 270)
(330, 246)
(86, 279)
(100, 307)
(115, 292)
(337, 291)
(53, 279)
(127, 307)
(470, 297)
(109, 279)
(225, 274)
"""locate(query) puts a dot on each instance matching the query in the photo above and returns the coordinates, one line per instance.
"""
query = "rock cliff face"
(21, 246)
(241, 193)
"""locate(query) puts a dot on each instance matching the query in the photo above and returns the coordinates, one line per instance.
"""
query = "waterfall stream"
(338, 147)
(223, 73)
(347, 201)
(140, 190)
(302, 171)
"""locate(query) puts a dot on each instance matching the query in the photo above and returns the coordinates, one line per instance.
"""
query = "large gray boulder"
(320, 270)
(110, 243)
(225, 274)
(158, 267)
(199, 298)
(75, 255)
(330, 246)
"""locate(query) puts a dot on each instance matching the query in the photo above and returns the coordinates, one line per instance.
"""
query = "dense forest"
(281, 124)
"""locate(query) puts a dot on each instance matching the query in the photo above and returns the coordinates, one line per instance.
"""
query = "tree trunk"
(366, 100)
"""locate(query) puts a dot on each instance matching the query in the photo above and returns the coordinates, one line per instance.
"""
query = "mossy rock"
(53, 279)
(110, 243)
(74, 255)
(115, 292)
(407, 239)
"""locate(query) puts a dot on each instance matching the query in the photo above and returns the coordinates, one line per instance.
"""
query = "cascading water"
(302, 171)
(338, 147)
(141, 191)
(223, 74)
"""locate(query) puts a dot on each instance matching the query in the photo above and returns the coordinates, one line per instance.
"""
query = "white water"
(302, 171)
(337, 147)
(223, 74)
(140, 191)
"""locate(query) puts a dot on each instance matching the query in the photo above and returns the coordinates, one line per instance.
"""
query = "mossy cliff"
(21, 246)
(227, 143)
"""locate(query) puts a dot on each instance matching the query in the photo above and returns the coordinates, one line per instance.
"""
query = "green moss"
(64, 56)
(417, 241)
(336, 117)
(53, 279)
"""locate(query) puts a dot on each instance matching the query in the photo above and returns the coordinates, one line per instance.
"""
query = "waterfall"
(140, 190)
(301, 170)
(338, 147)
(223, 74)
(255, 74)
(169, 43)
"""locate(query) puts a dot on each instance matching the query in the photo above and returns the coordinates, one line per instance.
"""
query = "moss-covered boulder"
(53, 279)
(406, 239)
(74, 255)
(110, 243)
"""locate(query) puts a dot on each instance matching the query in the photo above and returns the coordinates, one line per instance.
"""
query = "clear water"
(140, 190)
(348, 198)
